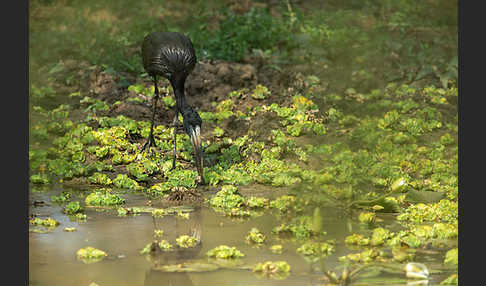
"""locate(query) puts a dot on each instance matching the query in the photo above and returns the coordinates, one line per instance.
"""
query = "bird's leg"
(150, 140)
(176, 122)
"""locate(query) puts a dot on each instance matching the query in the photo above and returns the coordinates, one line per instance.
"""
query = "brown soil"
(209, 83)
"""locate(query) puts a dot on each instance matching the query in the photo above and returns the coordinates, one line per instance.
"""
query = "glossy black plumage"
(168, 54)
(171, 55)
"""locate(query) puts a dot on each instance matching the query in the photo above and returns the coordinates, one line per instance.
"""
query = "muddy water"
(52, 256)
(52, 259)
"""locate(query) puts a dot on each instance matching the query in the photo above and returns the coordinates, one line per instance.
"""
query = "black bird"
(171, 55)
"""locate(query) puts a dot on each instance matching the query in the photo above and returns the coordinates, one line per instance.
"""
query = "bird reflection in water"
(174, 227)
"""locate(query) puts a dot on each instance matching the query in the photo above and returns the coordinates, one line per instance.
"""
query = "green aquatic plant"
(257, 202)
(90, 254)
(225, 252)
(103, 197)
(158, 232)
(379, 236)
(143, 169)
(367, 217)
(159, 212)
(301, 227)
(255, 236)
(444, 210)
(62, 198)
(227, 198)
(73, 208)
(164, 245)
(286, 203)
(179, 178)
(260, 92)
(453, 279)
(124, 182)
(47, 222)
(277, 270)
(39, 179)
(452, 257)
(149, 248)
(100, 179)
(317, 249)
(186, 241)
(357, 239)
(79, 217)
(366, 256)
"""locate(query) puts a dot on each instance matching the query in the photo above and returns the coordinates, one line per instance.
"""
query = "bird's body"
(171, 55)
(168, 54)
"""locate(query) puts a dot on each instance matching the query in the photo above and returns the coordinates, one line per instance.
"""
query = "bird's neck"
(181, 102)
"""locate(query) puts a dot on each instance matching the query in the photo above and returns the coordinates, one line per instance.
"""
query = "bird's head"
(192, 125)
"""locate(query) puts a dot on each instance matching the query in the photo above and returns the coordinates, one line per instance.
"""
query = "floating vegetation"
(317, 249)
(39, 179)
(301, 227)
(384, 154)
(255, 236)
(90, 254)
(452, 257)
(451, 280)
(149, 248)
(73, 208)
(276, 270)
(186, 241)
(367, 217)
(124, 182)
(62, 198)
(47, 222)
(286, 203)
(159, 212)
(366, 256)
(164, 245)
(78, 217)
(224, 252)
(103, 197)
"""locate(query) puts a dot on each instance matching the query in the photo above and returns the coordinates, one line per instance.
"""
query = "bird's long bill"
(195, 134)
